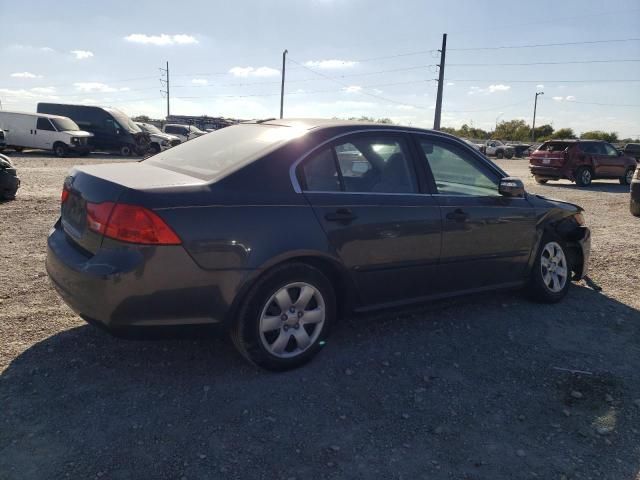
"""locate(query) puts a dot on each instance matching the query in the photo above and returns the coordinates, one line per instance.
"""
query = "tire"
(278, 348)
(541, 181)
(584, 176)
(499, 154)
(508, 155)
(543, 285)
(634, 208)
(126, 150)
(628, 176)
(154, 148)
(18, 149)
(60, 150)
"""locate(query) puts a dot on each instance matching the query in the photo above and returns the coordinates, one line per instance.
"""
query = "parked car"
(183, 132)
(9, 181)
(471, 144)
(46, 132)
(159, 140)
(3, 140)
(632, 150)
(520, 149)
(580, 161)
(496, 148)
(635, 193)
(113, 130)
(265, 229)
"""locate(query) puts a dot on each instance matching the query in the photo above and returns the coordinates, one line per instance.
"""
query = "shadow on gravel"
(482, 387)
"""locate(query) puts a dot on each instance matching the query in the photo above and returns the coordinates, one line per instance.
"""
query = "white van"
(47, 132)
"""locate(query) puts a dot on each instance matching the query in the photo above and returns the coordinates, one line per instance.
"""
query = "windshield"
(124, 121)
(64, 124)
(196, 130)
(147, 127)
(224, 151)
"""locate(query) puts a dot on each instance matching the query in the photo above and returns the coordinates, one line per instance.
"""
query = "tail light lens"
(129, 223)
(64, 195)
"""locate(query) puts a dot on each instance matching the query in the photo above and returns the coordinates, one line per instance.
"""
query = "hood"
(78, 133)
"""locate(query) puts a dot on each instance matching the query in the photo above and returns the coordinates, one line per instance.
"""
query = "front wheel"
(628, 176)
(541, 181)
(499, 154)
(551, 273)
(583, 176)
(126, 151)
(286, 317)
(60, 150)
(508, 155)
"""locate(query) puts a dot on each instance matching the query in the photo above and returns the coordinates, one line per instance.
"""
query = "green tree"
(600, 135)
(564, 133)
(544, 132)
(512, 130)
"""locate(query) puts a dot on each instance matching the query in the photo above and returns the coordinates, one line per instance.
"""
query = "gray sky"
(347, 58)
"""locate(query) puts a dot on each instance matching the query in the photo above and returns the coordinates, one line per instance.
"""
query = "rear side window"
(554, 146)
(366, 164)
(44, 124)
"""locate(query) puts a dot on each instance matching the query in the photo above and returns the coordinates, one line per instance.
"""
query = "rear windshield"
(554, 146)
(64, 124)
(219, 153)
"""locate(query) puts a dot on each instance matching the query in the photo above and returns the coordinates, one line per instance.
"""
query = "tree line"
(519, 130)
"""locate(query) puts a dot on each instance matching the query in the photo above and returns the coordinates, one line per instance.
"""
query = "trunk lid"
(89, 185)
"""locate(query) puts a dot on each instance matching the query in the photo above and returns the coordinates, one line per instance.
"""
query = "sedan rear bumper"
(138, 285)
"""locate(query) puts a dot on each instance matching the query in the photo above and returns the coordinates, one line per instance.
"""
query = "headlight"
(579, 218)
(75, 140)
(164, 143)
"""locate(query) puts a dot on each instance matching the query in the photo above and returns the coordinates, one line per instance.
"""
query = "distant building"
(203, 122)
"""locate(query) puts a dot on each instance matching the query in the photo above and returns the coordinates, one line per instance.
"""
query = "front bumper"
(80, 149)
(138, 285)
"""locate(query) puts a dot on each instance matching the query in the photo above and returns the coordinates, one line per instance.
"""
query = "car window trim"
(293, 169)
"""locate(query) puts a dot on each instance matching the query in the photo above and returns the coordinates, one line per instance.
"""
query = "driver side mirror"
(511, 187)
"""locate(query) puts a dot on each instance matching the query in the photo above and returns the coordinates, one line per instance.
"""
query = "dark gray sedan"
(274, 228)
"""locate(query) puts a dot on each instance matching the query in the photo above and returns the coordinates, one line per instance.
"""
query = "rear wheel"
(551, 273)
(285, 317)
(541, 181)
(583, 176)
(60, 149)
(499, 154)
(628, 176)
(508, 155)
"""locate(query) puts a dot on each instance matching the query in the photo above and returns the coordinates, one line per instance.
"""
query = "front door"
(487, 238)
(44, 136)
(364, 191)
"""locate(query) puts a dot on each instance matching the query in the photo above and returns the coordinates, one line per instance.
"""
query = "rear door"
(487, 238)
(613, 164)
(365, 193)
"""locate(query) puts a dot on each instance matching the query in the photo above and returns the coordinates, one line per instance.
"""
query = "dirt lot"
(477, 388)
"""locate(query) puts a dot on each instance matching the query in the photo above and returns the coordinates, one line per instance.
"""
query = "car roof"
(35, 114)
(322, 123)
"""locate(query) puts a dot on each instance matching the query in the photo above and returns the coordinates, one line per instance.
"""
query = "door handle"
(458, 215)
(341, 215)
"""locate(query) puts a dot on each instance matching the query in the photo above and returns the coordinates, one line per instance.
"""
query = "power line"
(569, 62)
(536, 45)
(547, 80)
(605, 104)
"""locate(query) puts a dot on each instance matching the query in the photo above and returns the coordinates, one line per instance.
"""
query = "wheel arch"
(336, 272)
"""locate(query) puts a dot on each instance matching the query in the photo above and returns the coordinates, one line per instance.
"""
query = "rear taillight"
(129, 223)
(64, 195)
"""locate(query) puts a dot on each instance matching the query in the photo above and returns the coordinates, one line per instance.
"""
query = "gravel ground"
(483, 387)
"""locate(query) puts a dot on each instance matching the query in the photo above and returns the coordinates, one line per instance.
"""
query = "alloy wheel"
(586, 176)
(553, 265)
(292, 320)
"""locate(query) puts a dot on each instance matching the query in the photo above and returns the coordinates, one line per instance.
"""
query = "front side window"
(457, 172)
(610, 150)
(44, 124)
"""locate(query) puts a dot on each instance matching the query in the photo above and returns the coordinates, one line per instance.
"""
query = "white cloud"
(330, 64)
(47, 49)
(405, 107)
(570, 98)
(558, 99)
(200, 81)
(245, 72)
(539, 86)
(94, 87)
(82, 54)
(23, 94)
(498, 88)
(352, 89)
(377, 91)
(25, 75)
(44, 90)
(450, 84)
(162, 40)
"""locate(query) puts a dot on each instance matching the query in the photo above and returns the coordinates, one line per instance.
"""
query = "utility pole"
(436, 120)
(165, 82)
(284, 61)
(535, 106)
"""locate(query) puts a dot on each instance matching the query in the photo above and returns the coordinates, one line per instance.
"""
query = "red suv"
(580, 161)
